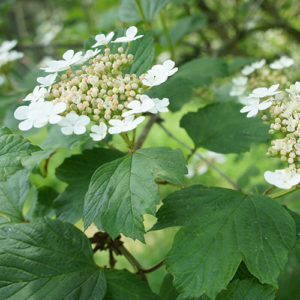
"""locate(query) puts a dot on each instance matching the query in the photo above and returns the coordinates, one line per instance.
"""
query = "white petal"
(264, 105)
(55, 119)
(26, 125)
(79, 129)
(68, 55)
(83, 121)
(131, 32)
(72, 117)
(59, 107)
(67, 130)
(21, 113)
(252, 113)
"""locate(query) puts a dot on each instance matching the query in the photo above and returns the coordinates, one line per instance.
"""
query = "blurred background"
(238, 31)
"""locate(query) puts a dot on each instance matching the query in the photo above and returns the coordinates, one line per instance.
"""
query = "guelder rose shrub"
(103, 102)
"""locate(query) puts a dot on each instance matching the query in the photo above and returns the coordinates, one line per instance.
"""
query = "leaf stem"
(167, 34)
(140, 8)
(126, 139)
(235, 185)
(285, 192)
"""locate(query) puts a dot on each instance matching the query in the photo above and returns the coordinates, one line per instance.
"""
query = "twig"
(155, 267)
(200, 156)
(269, 190)
(146, 131)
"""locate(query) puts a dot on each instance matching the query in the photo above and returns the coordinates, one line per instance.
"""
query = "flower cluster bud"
(285, 116)
(101, 89)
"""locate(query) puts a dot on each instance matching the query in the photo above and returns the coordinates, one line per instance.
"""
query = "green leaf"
(201, 71)
(167, 290)
(144, 52)
(185, 26)
(222, 227)
(77, 171)
(43, 205)
(222, 128)
(289, 280)
(178, 90)
(13, 194)
(127, 286)
(123, 190)
(248, 289)
(13, 148)
(129, 11)
(48, 260)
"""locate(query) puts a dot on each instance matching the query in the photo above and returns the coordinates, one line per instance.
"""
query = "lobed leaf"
(220, 228)
(121, 191)
(222, 128)
(48, 260)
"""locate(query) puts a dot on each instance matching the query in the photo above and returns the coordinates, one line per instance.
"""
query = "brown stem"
(155, 267)
(145, 132)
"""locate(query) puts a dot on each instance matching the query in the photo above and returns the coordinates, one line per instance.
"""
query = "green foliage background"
(210, 42)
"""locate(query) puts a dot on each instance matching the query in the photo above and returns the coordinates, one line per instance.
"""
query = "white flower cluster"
(284, 115)
(200, 167)
(260, 72)
(94, 91)
(7, 54)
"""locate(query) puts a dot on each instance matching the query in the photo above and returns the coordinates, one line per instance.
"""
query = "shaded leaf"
(13, 194)
(127, 286)
(248, 289)
(77, 171)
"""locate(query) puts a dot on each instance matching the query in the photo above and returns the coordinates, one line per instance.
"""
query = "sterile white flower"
(153, 78)
(167, 67)
(38, 114)
(129, 123)
(240, 81)
(7, 46)
(129, 36)
(102, 39)
(47, 80)
(137, 107)
(73, 123)
(69, 58)
(37, 94)
(281, 63)
(258, 64)
(98, 132)
(161, 105)
(254, 106)
(247, 70)
(294, 89)
(88, 54)
(283, 179)
(237, 90)
(265, 92)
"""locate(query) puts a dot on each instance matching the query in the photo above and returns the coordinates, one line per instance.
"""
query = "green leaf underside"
(48, 260)
(123, 190)
(248, 289)
(77, 171)
(127, 286)
(167, 290)
(13, 194)
(13, 148)
(220, 228)
(222, 128)
(129, 11)
(194, 74)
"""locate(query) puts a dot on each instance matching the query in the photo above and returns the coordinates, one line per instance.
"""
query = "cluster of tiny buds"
(100, 90)
(266, 76)
(285, 115)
